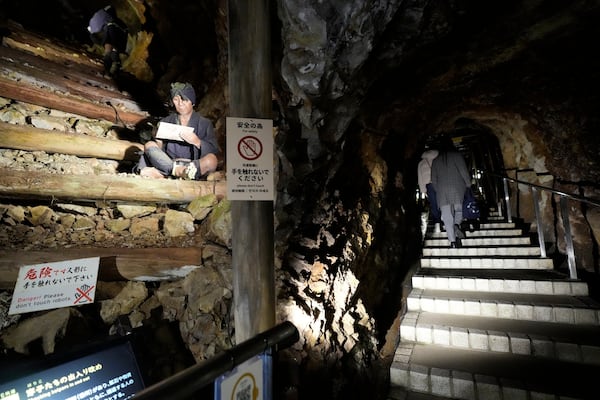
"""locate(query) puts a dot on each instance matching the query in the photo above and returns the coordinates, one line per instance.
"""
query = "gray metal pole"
(538, 219)
(507, 201)
(250, 84)
(564, 210)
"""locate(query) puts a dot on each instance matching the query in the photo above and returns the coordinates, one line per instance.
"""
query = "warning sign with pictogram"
(250, 148)
(249, 159)
(55, 285)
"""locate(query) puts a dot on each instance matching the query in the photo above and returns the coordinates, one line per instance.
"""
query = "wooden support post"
(253, 222)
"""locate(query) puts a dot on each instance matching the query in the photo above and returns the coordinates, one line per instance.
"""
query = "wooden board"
(43, 185)
(150, 264)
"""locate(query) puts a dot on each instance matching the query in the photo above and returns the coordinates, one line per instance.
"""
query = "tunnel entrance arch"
(482, 152)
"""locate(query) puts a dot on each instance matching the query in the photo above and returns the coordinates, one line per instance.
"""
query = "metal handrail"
(564, 197)
(186, 383)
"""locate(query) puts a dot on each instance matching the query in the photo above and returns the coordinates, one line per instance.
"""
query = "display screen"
(108, 374)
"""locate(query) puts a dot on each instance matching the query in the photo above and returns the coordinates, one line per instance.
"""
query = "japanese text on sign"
(250, 159)
(108, 374)
(55, 285)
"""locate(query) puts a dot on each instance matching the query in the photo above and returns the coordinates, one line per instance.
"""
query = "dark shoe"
(459, 234)
(464, 226)
(456, 245)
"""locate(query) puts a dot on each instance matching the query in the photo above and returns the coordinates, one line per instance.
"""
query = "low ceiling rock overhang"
(420, 66)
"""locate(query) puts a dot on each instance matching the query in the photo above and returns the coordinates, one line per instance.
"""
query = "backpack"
(470, 206)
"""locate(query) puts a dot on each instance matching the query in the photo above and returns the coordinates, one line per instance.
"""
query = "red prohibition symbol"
(250, 148)
(83, 294)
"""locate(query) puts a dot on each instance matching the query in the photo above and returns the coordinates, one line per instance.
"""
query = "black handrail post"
(538, 218)
(564, 210)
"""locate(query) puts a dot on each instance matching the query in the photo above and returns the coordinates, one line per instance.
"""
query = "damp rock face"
(49, 327)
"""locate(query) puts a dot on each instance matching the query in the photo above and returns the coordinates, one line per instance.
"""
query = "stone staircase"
(494, 320)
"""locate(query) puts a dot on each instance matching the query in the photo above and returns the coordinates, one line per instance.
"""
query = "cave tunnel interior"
(443, 97)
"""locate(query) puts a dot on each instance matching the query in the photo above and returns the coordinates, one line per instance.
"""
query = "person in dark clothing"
(108, 31)
(450, 178)
(194, 155)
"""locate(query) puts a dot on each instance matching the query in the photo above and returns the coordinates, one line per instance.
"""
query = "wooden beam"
(20, 39)
(151, 264)
(29, 93)
(73, 80)
(22, 137)
(52, 187)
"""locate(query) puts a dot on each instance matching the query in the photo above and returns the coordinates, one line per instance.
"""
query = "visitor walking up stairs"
(494, 320)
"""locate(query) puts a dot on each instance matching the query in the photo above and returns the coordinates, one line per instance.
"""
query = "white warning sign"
(55, 285)
(250, 172)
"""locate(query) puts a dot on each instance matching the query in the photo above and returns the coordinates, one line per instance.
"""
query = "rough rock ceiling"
(418, 64)
(425, 64)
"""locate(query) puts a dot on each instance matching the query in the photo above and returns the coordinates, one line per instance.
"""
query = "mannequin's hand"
(190, 137)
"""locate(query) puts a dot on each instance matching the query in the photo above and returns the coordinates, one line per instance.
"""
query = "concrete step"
(501, 262)
(577, 343)
(480, 241)
(520, 306)
(498, 224)
(494, 280)
(398, 393)
(469, 374)
(481, 233)
(480, 251)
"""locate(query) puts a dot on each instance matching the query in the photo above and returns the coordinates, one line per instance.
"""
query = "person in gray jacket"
(450, 179)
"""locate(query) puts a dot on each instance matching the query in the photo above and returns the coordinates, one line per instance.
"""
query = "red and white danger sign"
(55, 285)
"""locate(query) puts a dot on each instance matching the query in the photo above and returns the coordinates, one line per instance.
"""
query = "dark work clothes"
(172, 149)
(107, 28)
(203, 128)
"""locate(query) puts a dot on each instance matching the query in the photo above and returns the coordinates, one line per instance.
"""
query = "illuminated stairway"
(494, 320)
